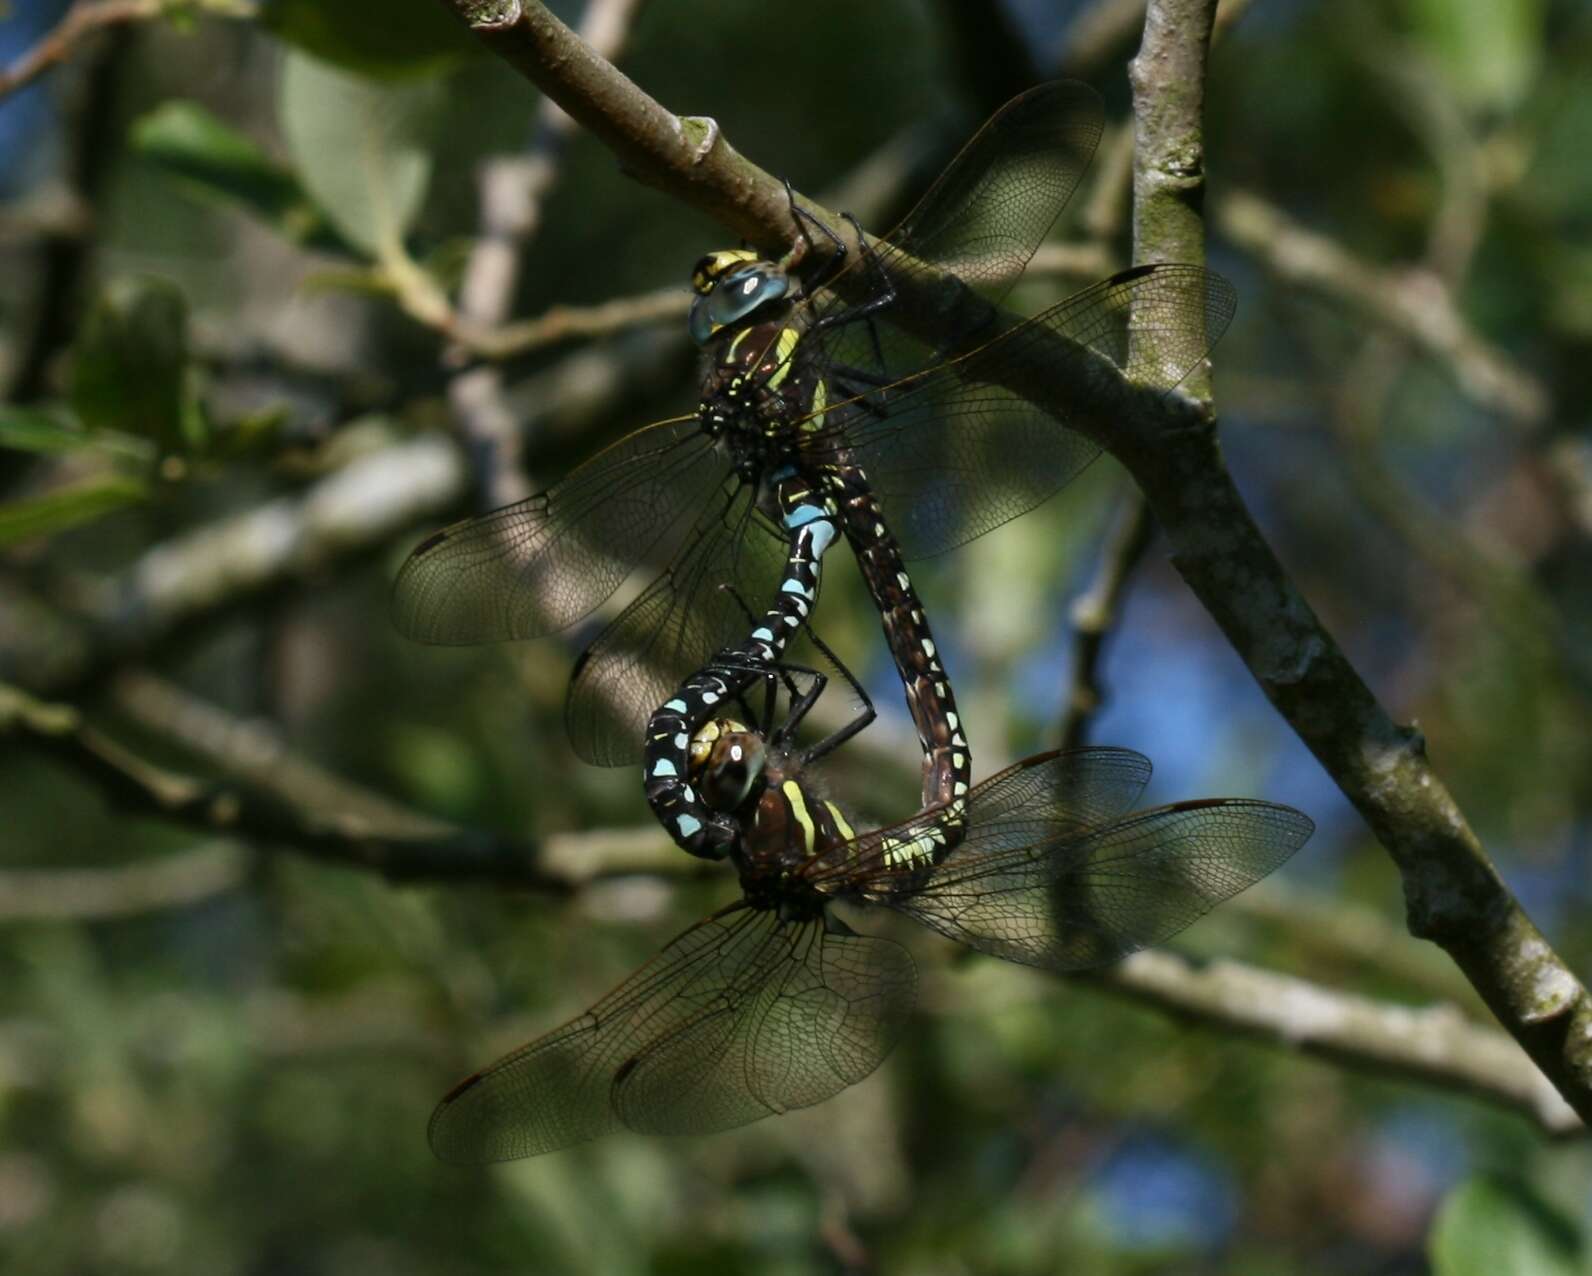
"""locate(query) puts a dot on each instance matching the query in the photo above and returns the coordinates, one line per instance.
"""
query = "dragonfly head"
(727, 763)
(730, 286)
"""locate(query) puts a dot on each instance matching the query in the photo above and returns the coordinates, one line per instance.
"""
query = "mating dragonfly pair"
(825, 416)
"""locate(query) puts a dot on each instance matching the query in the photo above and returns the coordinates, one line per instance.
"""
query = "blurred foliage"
(240, 1084)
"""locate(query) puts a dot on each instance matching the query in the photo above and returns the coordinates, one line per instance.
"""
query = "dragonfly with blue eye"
(918, 448)
(774, 1002)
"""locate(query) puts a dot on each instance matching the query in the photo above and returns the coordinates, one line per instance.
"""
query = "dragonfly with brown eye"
(774, 1002)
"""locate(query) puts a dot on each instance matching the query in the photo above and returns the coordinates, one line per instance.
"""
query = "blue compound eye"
(728, 292)
(742, 291)
(701, 325)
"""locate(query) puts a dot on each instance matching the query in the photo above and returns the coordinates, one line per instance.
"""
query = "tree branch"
(1414, 303)
(512, 190)
(1453, 894)
(83, 19)
(1433, 1045)
(398, 845)
(275, 800)
(365, 503)
(105, 894)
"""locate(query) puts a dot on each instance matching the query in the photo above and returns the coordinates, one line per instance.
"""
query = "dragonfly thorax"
(756, 389)
(790, 825)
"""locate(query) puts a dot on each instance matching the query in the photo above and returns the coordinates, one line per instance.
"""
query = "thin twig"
(106, 894)
(83, 19)
(571, 323)
(512, 191)
(1415, 303)
(1094, 614)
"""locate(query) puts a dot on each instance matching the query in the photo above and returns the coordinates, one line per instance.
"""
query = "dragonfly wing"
(672, 627)
(536, 566)
(1039, 798)
(555, 1092)
(953, 453)
(981, 221)
(995, 202)
(740, 1016)
(794, 1014)
(1083, 900)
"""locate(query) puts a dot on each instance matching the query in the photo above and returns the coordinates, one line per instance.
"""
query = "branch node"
(1414, 738)
(701, 134)
(491, 15)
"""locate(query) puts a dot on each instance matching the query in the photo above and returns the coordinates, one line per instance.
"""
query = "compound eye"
(704, 273)
(701, 325)
(733, 767)
(742, 291)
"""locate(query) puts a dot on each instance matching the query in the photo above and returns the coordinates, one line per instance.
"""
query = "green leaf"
(68, 507)
(1488, 51)
(390, 38)
(37, 430)
(32, 430)
(216, 163)
(362, 148)
(130, 362)
(1490, 1224)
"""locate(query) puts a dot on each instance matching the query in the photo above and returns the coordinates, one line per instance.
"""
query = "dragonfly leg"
(865, 715)
(837, 254)
(864, 311)
(769, 673)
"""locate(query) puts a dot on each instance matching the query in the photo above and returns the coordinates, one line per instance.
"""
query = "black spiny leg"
(740, 663)
(866, 309)
(837, 255)
(866, 713)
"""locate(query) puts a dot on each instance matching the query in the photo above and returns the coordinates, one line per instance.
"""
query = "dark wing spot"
(472, 1080)
(430, 543)
(1134, 272)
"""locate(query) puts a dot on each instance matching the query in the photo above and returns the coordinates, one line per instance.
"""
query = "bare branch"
(1433, 1045)
(83, 19)
(277, 800)
(512, 191)
(1414, 302)
(570, 323)
(401, 846)
(1453, 893)
(358, 506)
(105, 894)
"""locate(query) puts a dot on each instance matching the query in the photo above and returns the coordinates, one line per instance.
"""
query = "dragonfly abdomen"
(811, 521)
(947, 762)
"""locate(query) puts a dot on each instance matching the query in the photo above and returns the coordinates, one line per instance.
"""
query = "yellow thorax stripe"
(798, 808)
(784, 347)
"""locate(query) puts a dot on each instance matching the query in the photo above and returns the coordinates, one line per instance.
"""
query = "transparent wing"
(741, 1016)
(541, 564)
(952, 453)
(1042, 797)
(981, 221)
(673, 626)
(1086, 899)
(805, 1015)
